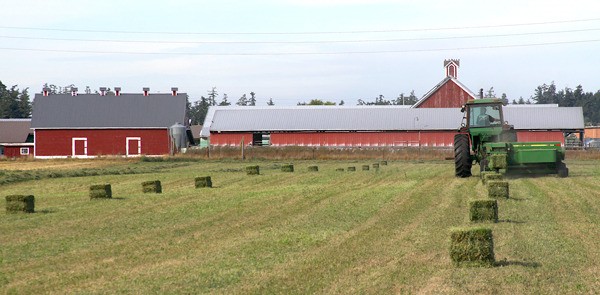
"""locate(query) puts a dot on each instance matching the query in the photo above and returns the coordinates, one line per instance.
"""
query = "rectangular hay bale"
(351, 168)
(287, 168)
(152, 186)
(252, 170)
(472, 247)
(313, 168)
(365, 167)
(375, 165)
(20, 203)
(483, 210)
(100, 191)
(498, 189)
(204, 181)
(491, 176)
(497, 161)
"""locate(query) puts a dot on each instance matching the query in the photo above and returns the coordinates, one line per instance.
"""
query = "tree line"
(16, 103)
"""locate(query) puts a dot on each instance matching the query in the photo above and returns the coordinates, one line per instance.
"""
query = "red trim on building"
(230, 139)
(539, 136)
(369, 139)
(97, 142)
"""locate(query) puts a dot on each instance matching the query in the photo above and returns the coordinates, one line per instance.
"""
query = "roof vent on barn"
(102, 91)
(45, 91)
(174, 90)
(146, 90)
(117, 91)
(73, 91)
(451, 66)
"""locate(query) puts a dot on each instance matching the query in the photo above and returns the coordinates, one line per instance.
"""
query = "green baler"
(487, 139)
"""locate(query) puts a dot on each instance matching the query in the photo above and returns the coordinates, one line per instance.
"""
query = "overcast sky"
(297, 50)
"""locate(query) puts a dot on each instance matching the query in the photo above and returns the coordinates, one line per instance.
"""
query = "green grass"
(327, 232)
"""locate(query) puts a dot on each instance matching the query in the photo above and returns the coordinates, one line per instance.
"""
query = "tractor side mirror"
(463, 108)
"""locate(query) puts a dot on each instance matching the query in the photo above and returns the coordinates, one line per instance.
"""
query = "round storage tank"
(178, 135)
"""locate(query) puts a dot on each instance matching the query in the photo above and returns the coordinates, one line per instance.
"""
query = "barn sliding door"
(134, 146)
(79, 147)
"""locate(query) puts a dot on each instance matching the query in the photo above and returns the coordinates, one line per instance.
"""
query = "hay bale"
(152, 186)
(20, 203)
(472, 247)
(313, 168)
(351, 168)
(383, 163)
(252, 170)
(491, 176)
(483, 210)
(497, 161)
(497, 189)
(375, 165)
(100, 191)
(287, 168)
(365, 167)
(204, 181)
(339, 169)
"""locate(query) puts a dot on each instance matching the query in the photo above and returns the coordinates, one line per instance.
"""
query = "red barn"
(90, 125)
(449, 93)
(16, 138)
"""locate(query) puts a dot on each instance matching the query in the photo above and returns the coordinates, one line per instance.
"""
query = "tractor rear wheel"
(462, 157)
(562, 170)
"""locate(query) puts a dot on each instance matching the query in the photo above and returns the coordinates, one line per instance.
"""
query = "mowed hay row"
(365, 167)
(287, 168)
(491, 176)
(203, 181)
(20, 204)
(313, 168)
(100, 191)
(483, 210)
(498, 189)
(351, 168)
(472, 247)
(152, 186)
(252, 170)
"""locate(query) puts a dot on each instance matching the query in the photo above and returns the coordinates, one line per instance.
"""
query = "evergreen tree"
(252, 100)
(224, 101)
(243, 101)
(212, 96)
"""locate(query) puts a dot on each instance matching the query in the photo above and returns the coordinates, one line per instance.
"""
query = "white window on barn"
(24, 151)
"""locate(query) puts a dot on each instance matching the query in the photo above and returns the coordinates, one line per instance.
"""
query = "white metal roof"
(374, 118)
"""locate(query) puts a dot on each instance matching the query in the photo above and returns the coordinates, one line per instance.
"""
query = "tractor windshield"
(484, 115)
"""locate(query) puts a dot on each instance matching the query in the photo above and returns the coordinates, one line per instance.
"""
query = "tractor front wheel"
(462, 157)
(562, 170)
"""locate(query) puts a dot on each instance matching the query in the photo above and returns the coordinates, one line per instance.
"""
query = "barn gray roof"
(375, 118)
(94, 111)
(14, 130)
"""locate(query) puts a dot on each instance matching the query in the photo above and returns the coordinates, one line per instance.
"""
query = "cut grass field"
(377, 231)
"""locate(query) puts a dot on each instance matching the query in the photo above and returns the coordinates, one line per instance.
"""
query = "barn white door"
(134, 146)
(79, 147)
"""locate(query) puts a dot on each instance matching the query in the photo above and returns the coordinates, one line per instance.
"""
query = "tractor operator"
(484, 119)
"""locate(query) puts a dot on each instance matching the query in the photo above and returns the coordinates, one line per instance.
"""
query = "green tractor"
(488, 140)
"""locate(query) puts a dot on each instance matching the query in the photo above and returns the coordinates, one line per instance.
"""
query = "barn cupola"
(45, 91)
(73, 91)
(451, 66)
(174, 91)
(102, 91)
(146, 91)
(117, 91)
